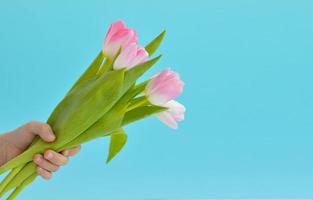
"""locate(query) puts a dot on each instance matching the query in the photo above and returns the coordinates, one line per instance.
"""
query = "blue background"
(248, 72)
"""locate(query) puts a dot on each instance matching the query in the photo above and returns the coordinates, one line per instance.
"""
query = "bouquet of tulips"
(103, 100)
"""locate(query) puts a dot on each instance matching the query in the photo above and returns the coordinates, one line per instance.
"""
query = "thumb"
(43, 130)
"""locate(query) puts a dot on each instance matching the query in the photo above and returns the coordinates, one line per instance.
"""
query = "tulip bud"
(131, 56)
(164, 87)
(118, 36)
(174, 114)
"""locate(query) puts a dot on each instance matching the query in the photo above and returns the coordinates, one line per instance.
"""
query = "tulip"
(118, 36)
(173, 114)
(131, 56)
(164, 87)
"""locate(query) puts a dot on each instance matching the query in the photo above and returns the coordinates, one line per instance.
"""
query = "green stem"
(8, 178)
(18, 189)
(27, 170)
(139, 88)
(140, 101)
(105, 66)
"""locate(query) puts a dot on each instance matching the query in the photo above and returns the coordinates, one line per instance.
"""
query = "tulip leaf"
(88, 104)
(106, 124)
(154, 44)
(134, 73)
(117, 142)
(139, 88)
(91, 70)
(141, 113)
(103, 127)
(87, 75)
(79, 110)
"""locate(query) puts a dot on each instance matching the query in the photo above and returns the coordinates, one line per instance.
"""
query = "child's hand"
(17, 141)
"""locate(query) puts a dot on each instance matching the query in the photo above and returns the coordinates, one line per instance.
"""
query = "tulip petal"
(167, 119)
(174, 113)
(131, 56)
(164, 87)
(118, 36)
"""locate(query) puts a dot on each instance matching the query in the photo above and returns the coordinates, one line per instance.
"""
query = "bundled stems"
(101, 101)
(18, 189)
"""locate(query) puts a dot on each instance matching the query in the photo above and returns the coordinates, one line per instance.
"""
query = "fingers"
(43, 130)
(45, 164)
(44, 173)
(50, 161)
(71, 152)
(55, 158)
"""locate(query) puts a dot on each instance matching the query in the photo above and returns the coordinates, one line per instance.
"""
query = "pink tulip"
(118, 36)
(131, 56)
(164, 87)
(174, 114)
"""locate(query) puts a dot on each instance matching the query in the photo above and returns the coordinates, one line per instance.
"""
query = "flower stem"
(8, 178)
(28, 181)
(105, 66)
(140, 101)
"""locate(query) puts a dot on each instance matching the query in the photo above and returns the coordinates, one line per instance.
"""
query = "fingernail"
(49, 155)
(51, 137)
(38, 159)
(40, 170)
(65, 153)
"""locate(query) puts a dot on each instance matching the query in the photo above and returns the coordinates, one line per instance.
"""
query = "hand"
(17, 141)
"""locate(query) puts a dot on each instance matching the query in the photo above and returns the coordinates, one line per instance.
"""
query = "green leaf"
(154, 44)
(139, 88)
(91, 70)
(88, 75)
(117, 142)
(103, 127)
(109, 122)
(87, 105)
(134, 73)
(141, 113)
(83, 107)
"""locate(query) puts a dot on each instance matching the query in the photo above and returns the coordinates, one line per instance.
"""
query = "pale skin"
(16, 142)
